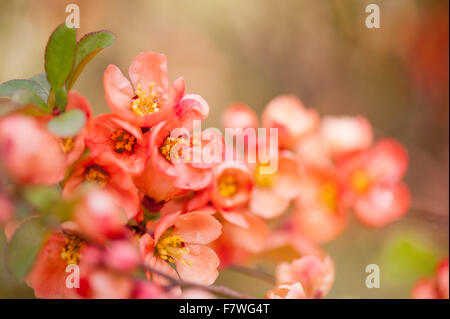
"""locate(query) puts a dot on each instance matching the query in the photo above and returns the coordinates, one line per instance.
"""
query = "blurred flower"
(373, 183)
(273, 192)
(436, 287)
(291, 118)
(106, 171)
(99, 218)
(287, 291)
(316, 274)
(320, 212)
(28, 152)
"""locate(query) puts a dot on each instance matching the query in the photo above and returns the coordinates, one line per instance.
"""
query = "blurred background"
(250, 51)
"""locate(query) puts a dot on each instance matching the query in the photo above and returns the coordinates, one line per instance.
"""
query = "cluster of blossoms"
(146, 212)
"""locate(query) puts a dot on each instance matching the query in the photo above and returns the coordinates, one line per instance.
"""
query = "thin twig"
(218, 290)
(258, 273)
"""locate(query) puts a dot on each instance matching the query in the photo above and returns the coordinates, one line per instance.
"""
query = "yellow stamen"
(329, 195)
(95, 173)
(123, 141)
(264, 180)
(71, 250)
(227, 185)
(145, 102)
(169, 143)
(67, 144)
(172, 248)
(360, 181)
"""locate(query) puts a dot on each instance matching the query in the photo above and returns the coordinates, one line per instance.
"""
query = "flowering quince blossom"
(291, 118)
(181, 239)
(436, 287)
(29, 153)
(152, 99)
(109, 133)
(307, 277)
(320, 212)
(373, 183)
(177, 162)
(105, 171)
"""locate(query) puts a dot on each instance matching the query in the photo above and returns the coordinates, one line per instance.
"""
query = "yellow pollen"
(360, 181)
(95, 173)
(169, 143)
(123, 141)
(172, 248)
(145, 102)
(71, 250)
(328, 195)
(227, 185)
(67, 144)
(264, 180)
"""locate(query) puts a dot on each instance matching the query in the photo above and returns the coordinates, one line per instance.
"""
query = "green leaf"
(26, 96)
(24, 246)
(61, 98)
(407, 258)
(60, 55)
(67, 124)
(9, 87)
(41, 79)
(87, 48)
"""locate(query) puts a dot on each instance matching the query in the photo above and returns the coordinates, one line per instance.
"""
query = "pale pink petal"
(148, 67)
(197, 227)
(383, 204)
(118, 91)
(201, 266)
(266, 203)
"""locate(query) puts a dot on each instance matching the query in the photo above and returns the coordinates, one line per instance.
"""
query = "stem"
(218, 290)
(254, 272)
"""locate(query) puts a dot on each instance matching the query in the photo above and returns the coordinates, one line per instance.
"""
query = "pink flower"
(48, 275)
(177, 163)
(321, 213)
(105, 171)
(232, 185)
(243, 234)
(273, 192)
(28, 152)
(373, 180)
(181, 240)
(99, 218)
(315, 274)
(436, 287)
(109, 133)
(240, 115)
(152, 99)
(293, 120)
(345, 134)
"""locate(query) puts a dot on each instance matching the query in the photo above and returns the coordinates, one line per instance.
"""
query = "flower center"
(227, 185)
(145, 102)
(66, 144)
(169, 144)
(329, 195)
(172, 248)
(71, 250)
(123, 141)
(95, 173)
(360, 181)
(264, 179)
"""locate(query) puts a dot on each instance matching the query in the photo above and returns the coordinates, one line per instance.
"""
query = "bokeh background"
(250, 51)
